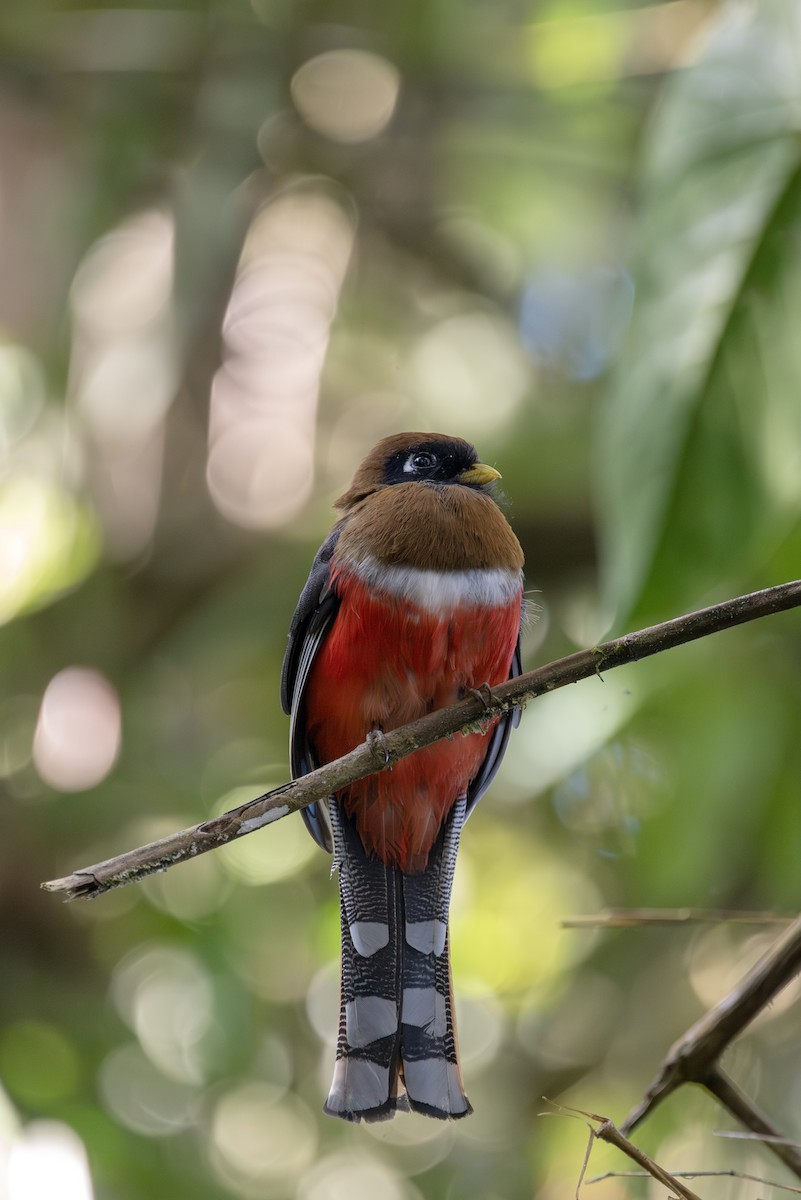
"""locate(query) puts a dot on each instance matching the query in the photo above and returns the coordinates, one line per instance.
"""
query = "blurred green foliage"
(573, 237)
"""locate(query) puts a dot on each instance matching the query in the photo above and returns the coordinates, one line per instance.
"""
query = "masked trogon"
(414, 599)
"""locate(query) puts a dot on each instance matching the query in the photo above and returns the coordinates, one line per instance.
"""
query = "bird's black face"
(432, 462)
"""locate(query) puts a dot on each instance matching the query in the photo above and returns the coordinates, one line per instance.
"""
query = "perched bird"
(414, 599)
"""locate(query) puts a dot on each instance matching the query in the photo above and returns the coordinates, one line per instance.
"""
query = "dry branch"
(694, 1057)
(465, 717)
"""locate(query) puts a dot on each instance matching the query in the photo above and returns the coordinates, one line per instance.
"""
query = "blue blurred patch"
(576, 321)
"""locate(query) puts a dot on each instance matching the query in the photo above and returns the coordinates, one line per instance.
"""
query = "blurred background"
(239, 242)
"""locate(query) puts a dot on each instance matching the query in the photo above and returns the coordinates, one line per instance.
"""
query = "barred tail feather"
(365, 1083)
(429, 1050)
(396, 1046)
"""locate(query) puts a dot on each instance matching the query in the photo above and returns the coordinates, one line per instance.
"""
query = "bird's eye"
(421, 461)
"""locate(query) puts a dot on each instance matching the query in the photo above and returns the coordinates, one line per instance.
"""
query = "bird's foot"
(377, 744)
(483, 694)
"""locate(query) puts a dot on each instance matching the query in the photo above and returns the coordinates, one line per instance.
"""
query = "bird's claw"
(482, 694)
(378, 746)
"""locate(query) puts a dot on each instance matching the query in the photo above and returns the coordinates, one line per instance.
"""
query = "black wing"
(497, 744)
(316, 609)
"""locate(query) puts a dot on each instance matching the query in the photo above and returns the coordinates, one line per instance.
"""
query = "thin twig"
(604, 1130)
(784, 1187)
(625, 918)
(748, 1136)
(468, 716)
(607, 1132)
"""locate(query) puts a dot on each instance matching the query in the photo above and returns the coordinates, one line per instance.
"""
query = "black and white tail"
(397, 1046)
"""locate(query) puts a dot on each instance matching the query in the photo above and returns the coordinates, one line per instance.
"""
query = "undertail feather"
(429, 1051)
(396, 1046)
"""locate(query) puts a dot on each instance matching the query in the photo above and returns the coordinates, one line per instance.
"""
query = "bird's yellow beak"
(479, 474)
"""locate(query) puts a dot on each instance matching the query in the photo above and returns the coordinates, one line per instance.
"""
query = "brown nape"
(370, 475)
(394, 525)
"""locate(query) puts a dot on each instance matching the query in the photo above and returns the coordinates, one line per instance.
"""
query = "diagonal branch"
(726, 1091)
(467, 716)
(694, 1057)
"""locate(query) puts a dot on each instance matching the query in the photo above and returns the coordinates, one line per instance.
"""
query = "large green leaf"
(700, 436)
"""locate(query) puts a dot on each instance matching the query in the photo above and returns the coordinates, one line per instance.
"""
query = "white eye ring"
(421, 460)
